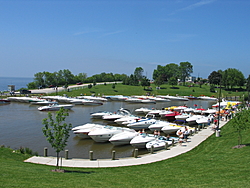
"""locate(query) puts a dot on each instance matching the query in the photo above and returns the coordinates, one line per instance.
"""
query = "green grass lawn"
(212, 164)
(166, 89)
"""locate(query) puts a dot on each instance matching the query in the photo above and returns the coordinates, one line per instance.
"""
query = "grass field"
(121, 89)
(212, 164)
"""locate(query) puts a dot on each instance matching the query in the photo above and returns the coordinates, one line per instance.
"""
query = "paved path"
(176, 150)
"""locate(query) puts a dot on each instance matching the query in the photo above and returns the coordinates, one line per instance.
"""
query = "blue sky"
(95, 36)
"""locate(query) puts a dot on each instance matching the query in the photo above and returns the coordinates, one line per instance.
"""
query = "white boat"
(141, 124)
(202, 120)
(84, 102)
(158, 125)
(163, 113)
(93, 98)
(119, 114)
(172, 128)
(104, 134)
(160, 143)
(142, 110)
(123, 138)
(192, 119)
(141, 140)
(182, 117)
(207, 98)
(177, 98)
(117, 97)
(55, 107)
(209, 111)
(125, 119)
(83, 131)
(98, 115)
(43, 102)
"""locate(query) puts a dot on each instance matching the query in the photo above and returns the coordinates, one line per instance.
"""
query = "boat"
(142, 110)
(177, 98)
(123, 138)
(84, 101)
(160, 143)
(116, 115)
(83, 131)
(93, 98)
(116, 97)
(192, 119)
(55, 107)
(125, 119)
(171, 128)
(163, 113)
(43, 102)
(4, 101)
(182, 117)
(141, 140)
(171, 116)
(98, 115)
(207, 98)
(158, 125)
(104, 134)
(141, 123)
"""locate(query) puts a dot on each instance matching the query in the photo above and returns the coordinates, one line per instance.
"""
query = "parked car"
(24, 91)
(79, 83)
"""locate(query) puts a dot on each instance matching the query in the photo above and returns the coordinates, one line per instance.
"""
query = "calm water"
(18, 82)
(21, 124)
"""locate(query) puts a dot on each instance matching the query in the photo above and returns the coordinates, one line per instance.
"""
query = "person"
(185, 134)
(180, 134)
(159, 133)
(155, 133)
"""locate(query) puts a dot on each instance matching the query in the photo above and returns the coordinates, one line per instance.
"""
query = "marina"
(21, 125)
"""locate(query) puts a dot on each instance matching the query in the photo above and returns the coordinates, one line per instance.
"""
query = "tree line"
(170, 73)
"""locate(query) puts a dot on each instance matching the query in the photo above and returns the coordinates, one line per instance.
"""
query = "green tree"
(159, 81)
(173, 81)
(138, 73)
(232, 77)
(241, 122)
(57, 131)
(185, 69)
(214, 78)
(145, 82)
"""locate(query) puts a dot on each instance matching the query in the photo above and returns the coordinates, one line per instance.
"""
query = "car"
(79, 83)
(24, 91)
(51, 86)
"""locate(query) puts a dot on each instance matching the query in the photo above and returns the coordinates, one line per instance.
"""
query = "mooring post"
(172, 142)
(166, 145)
(113, 155)
(152, 149)
(45, 152)
(66, 154)
(136, 153)
(91, 155)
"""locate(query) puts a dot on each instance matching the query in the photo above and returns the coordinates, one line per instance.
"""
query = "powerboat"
(125, 119)
(142, 110)
(174, 98)
(4, 101)
(172, 128)
(104, 134)
(55, 107)
(160, 143)
(171, 116)
(141, 124)
(84, 101)
(158, 125)
(119, 114)
(141, 140)
(192, 119)
(83, 131)
(207, 98)
(182, 117)
(123, 138)
(98, 115)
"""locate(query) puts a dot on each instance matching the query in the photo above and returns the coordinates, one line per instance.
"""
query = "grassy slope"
(212, 164)
(139, 90)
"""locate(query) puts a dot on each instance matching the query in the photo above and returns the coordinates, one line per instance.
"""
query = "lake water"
(21, 126)
(18, 82)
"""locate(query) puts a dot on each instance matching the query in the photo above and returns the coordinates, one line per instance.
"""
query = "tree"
(214, 78)
(145, 82)
(158, 81)
(241, 122)
(57, 132)
(232, 77)
(138, 73)
(173, 81)
(185, 70)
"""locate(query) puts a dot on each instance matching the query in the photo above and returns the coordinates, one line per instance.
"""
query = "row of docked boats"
(121, 136)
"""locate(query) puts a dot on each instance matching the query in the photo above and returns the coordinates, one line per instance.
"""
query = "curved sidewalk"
(193, 141)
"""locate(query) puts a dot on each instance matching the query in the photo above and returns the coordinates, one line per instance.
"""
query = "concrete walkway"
(176, 150)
